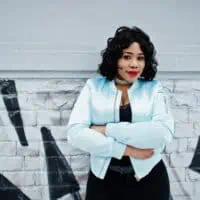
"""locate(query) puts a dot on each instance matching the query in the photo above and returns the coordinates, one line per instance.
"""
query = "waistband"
(121, 169)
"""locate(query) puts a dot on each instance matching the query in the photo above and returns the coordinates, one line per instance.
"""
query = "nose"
(134, 63)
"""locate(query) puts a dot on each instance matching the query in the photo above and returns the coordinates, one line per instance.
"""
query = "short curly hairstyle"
(123, 38)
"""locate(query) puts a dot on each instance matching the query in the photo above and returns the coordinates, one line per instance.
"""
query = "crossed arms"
(113, 139)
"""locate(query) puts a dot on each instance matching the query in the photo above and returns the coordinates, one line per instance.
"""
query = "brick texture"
(48, 103)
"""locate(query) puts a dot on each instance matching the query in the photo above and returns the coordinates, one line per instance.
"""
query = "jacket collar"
(131, 89)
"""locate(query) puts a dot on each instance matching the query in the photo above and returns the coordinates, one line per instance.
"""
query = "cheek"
(121, 64)
(121, 69)
(142, 65)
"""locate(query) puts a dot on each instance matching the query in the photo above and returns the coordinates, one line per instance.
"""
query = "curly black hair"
(123, 38)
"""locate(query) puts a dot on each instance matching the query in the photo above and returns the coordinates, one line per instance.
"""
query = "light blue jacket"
(152, 123)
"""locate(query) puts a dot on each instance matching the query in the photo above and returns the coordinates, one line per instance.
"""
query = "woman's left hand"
(99, 128)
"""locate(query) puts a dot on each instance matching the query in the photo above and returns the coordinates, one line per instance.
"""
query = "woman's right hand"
(138, 153)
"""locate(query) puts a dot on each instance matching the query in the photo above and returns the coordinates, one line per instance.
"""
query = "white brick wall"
(30, 50)
(49, 102)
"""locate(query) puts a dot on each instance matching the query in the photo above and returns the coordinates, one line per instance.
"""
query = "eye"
(127, 57)
(141, 58)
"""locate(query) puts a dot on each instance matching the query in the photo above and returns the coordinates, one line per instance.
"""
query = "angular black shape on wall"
(170, 197)
(60, 176)
(9, 191)
(195, 163)
(9, 92)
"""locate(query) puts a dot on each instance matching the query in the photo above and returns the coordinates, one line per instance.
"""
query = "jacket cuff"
(109, 129)
(118, 150)
(118, 147)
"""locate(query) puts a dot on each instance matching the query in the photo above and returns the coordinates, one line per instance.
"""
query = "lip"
(132, 73)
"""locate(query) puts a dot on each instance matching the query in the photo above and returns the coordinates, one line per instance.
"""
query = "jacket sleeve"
(148, 134)
(81, 136)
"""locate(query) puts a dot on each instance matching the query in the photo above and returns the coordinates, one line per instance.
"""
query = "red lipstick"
(132, 73)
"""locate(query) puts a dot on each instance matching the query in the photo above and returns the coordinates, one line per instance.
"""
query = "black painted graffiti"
(170, 197)
(60, 175)
(9, 92)
(10, 191)
(195, 163)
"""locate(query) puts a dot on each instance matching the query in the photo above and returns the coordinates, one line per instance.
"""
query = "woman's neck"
(122, 84)
(121, 87)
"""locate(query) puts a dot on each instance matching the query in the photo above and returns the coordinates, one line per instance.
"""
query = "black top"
(125, 115)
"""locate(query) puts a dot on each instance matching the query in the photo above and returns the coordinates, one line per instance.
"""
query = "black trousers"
(117, 186)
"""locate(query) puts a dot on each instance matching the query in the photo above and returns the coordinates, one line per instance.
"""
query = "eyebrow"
(132, 53)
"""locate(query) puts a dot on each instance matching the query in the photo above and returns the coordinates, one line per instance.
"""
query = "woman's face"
(131, 64)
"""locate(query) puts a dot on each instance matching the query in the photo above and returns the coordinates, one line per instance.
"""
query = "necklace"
(123, 82)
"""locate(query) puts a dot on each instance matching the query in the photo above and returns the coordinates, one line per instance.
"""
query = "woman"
(122, 118)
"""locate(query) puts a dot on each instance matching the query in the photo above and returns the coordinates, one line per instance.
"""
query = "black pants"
(116, 186)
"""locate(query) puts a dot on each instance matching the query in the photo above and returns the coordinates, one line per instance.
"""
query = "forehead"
(134, 48)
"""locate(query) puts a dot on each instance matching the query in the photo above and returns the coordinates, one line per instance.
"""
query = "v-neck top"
(125, 115)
